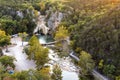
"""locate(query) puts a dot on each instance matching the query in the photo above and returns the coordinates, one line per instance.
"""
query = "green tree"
(57, 73)
(45, 73)
(61, 37)
(100, 65)
(117, 77)
(2, 70)
(1, 53)
(27, 75)
(61, 33)
(109, 70)
(4, 39)
(7, 60)
(86, 63)
(37, 52)
(23, 36)
(33, 41)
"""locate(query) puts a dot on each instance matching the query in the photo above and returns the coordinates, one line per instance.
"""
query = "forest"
(90, 28)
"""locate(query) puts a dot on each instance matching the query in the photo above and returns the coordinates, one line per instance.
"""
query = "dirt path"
(21, 63)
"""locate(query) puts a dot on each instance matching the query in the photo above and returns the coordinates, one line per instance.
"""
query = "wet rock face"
(50, 24)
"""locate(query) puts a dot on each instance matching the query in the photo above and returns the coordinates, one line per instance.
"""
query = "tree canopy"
(37, 52)
(4, 39)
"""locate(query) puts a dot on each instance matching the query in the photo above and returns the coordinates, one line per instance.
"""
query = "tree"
(94, 27)
(37, 52)
(109, 70)
(61, 37)
(27, 75)
(33, 41)
(117, 77)
(86, 63)
(2, 70)
(61, 33)
(4, 39)
(1, 53)
(56, 75)
(7, 60)
(23, 36)
(45, 73)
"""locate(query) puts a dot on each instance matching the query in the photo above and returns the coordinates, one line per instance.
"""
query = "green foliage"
(4, 39)
(109, 70)
(23, 36)
(7, 60)
(2, 70)
(94, 27)
(61, 33)
(56, 75)
(117, 78)
(100, 65)
(13, 23)
(33, 41)
(4, 61)
(86, 63)
(61, 36)
(37, 52)
(1, 53)
(45, 73)
(30, 75)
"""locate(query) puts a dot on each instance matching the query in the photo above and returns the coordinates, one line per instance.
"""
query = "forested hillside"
(93, 27)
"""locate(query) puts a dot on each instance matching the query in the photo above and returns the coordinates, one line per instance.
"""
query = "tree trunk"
(7, 49)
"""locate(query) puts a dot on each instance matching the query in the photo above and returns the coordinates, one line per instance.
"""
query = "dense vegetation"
(93, 27)
(37, 52)
(16, 16)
